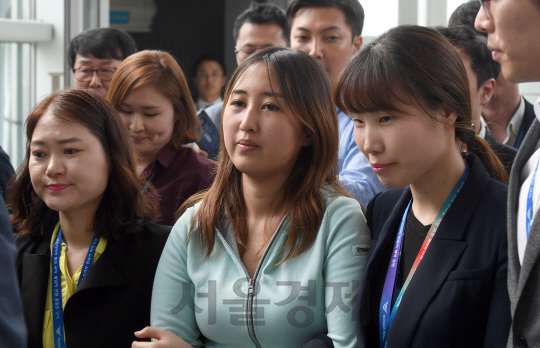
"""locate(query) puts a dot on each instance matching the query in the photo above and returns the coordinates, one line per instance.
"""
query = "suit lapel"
(517, 276)
(105, 272)
(442, 255)
(34, 282)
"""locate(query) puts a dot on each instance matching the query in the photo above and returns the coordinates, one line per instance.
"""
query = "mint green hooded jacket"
(282, 305)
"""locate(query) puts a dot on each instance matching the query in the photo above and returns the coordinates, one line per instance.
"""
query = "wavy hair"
(123, 207)
(304, 84)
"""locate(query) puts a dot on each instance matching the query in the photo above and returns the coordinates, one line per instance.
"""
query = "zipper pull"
(251, 287)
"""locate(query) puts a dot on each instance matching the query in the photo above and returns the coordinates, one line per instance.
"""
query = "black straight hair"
(101, 43)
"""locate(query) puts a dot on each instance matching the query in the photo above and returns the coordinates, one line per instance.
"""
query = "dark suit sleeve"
(12, 325)
(320, 341)
(499, 318)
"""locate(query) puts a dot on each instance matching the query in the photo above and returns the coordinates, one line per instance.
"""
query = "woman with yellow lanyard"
(86, 254)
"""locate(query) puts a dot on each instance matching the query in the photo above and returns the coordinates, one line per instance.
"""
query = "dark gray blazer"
(523, 280)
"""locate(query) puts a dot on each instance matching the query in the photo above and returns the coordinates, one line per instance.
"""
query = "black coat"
(458, 296)
(113, 300)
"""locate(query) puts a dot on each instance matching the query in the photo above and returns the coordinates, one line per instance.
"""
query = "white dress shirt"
(515, 124)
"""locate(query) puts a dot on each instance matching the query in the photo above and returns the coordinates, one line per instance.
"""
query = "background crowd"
(329, 194)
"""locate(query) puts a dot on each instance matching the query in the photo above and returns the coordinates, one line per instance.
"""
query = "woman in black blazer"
(436, 272)
(78, 203)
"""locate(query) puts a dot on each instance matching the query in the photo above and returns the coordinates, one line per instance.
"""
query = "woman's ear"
(449, 114)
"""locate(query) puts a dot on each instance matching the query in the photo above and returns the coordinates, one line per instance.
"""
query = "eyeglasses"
(248, 51)
(244, 53)
(83, 75)
(485, 7)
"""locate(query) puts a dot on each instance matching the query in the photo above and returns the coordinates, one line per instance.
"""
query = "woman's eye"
(271, 107)
(358, 122)
(238, 103)
(38, 154)
(150, 115)
(70, 151)
(122, 111)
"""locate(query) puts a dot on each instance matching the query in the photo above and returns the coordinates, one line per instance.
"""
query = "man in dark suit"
(509, 115)
(482, 72)
(12, 327)
(512, 27)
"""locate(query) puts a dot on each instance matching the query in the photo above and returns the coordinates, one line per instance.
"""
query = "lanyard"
(520, 136)
(385, 320)
(150, 179)
(529, 216)
(58, 315)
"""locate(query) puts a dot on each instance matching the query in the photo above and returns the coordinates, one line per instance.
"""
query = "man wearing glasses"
(513, 28)
(95, 54)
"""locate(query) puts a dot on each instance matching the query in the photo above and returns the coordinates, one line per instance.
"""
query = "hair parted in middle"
(414, 65)
(303, 82)
(159, 69)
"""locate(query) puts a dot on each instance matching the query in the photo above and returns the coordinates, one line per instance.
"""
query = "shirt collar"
(483, 125)
(537, 109)
(164, 158)
(517, 119)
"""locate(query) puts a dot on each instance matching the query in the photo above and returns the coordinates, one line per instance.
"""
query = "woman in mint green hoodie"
(272, 254)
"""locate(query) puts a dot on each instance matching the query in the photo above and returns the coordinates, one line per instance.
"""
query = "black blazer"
(113, 300)
(458, 296)
(505, 153)
(528, 116)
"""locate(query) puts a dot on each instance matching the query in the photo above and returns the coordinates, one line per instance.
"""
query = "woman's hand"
(165, 339)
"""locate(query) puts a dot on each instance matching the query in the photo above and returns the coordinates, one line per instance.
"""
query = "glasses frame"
(486, 11)
(97, 71)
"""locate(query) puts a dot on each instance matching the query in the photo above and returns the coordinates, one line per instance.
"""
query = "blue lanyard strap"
(529, 216)
(385, 320)
(58, 313)
(520, 136)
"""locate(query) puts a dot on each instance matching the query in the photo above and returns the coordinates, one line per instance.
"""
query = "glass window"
(380, 16)
(451, 6)
(16, 82)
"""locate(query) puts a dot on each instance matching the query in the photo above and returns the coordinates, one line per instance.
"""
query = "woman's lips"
(247, 145)
(138, 139)
(378, 167)
(57, 187)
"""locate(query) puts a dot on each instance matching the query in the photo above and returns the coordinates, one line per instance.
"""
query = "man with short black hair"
(512, 27)
(258, 27)
(509, 115)
(94, 55)
(209, 78)
(330, 31)
(482, 72)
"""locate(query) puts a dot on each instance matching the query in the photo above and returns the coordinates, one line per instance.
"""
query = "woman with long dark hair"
(87, 253)
(272, 253)
(436, 274)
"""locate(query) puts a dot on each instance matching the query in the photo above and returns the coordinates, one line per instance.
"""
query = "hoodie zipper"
(251, 283)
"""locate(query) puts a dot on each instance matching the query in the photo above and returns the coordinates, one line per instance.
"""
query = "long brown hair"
(122, 206)
(304, 84)
(414, 64)
(160, 70)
